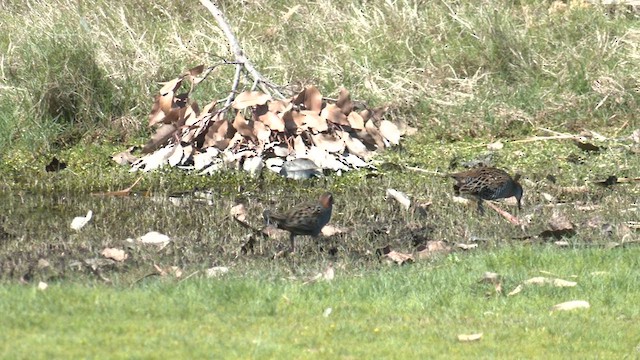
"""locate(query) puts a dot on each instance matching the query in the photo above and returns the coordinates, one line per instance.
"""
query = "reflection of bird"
(304, 219)
(487, 183)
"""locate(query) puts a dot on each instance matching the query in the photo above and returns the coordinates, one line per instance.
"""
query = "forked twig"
(259, 80)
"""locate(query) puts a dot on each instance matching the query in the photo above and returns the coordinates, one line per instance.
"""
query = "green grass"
(412, 311)
(80, 72)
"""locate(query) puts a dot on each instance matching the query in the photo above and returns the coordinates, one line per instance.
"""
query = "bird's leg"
(480, 207)
(293, 245)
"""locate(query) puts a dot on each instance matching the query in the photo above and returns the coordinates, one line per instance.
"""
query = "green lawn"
(413, 311)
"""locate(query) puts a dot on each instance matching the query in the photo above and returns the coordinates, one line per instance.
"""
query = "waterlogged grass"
(412, 311)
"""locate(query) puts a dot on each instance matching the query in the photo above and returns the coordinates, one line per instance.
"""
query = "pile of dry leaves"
(255, 130)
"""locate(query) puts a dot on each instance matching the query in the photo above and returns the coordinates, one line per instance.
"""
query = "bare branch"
(238, 53)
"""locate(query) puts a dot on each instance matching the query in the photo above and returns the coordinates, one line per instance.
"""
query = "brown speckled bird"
(304, 219)
(487, 183)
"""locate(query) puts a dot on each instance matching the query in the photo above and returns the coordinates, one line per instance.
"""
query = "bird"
(304, 219)
(487, 183)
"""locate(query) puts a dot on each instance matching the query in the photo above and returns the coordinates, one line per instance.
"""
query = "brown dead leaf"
(560, 221)
(299, 147)
(156, 115)
(328, 142)
(208, 109)
(433, 247)
(244, 126)
(405, 129)
(275, 233)
(345, 104)
(399, 258)
(163, 133)
(571, 305)
(559, 225)
(541, 280)
(279, 106)
(261, 131)
(517, 290)
(390, 131)
(373, 131)
(394, 256)
(330, 230)
(114, 254)
(170, 86)
(375, 114)
(167, 92)
(355, 146)
(195, 71)
(191, 114)
(313, 121)
(250, 98)
(469, 337)
(310, 99)
(219, 133)
(269, 118)
(332, 113)
(293, 120)
(400, 197)
(239, 212)
(125, 157)
(355, 121)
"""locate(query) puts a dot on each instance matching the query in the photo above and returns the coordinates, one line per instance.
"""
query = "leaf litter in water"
(432, 248)
(114, 254)
(153, 238)
(80, 221)
(392, 256)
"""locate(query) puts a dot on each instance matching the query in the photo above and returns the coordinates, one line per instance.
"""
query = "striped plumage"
(487, 183)
(304, 219)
